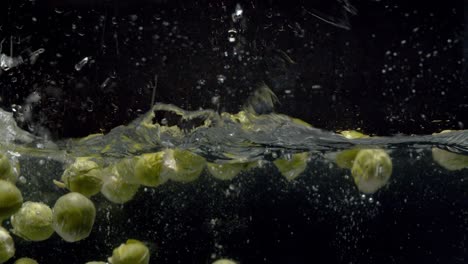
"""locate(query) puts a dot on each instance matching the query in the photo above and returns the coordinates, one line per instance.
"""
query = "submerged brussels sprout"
(226, 171)
(25, 261)
(7, 246)
(371, 170)
(224, 261)
(73, 217)
(182, 165)
(115, 188)
(148, 169)
(83, 176)
(292, 168)
(33, 222)
(449, 160)
(10, 199)
(352, 134)
(345, 158)
(132, 252)
(8, 170)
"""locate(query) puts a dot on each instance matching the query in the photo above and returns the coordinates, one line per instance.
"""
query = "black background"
(419, 45)
(184, 43)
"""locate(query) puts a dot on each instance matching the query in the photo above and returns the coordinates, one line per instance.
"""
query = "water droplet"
(58, 10)
(237, 15)
(22, 179)
(82, 63)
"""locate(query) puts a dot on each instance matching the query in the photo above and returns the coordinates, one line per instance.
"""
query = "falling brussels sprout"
(83, 176)
(224, 261)
(182, 165)
(10, 199)
(7, 246)
(9, 170)
(226, 171)
(33, 222)
(73, 217)
(449, 160)
(371, 170)
(26, 261)
(293, 167)
(148, 169)
(115, 188)
(132, 252)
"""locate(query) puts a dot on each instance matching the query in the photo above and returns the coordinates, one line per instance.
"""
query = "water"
(266, 212)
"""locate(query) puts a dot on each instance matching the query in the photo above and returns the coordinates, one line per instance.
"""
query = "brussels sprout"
(126, 169)
(73, 217)
(226, 171)
(7, 246)
(33, 222)
(292, 168)
(25, 261)
(371, 170)
(352, 134)
(8, 171)
(83, 176)
(132, 252)
(148, 169)
(10, 199)
(224, 261)
(182, 165)
(449, 160)
(115, 188)
(345, 158)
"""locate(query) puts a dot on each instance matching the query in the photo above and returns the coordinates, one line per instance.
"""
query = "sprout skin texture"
(371, 170)
(7, 246)
(226, 171)
(132, 252)
(73, 217)
(83, 176)
(10, 199)
(33, 222)
(182, 165)
(294, 167)
(116, 189)
(26, 261)
(8, 171)
(148, 169)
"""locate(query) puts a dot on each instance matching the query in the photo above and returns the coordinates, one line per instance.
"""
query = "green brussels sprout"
(148, 169)
(126, 169)
(226, 171)
(292, 168)
(10, 199)
(449, 160)
(83, 176)
(33, 222)
(73, 217)
(26, 261)
(182, 165)
(352, 134)
(132, 252)
(115, 188)
(8, 171)
(224, 261)
(371, 170)
(7, 246)
(345, 159)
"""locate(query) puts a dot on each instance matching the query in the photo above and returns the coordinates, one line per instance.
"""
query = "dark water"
(260, 217)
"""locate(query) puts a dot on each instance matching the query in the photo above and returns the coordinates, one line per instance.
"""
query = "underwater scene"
(233, 132)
